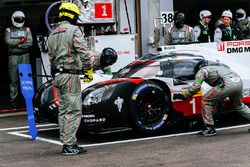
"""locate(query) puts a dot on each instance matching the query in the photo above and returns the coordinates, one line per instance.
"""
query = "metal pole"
(138, 25)
(117, 10)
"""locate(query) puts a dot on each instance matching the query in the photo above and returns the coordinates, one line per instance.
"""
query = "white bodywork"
(210, 54)
(97, 77)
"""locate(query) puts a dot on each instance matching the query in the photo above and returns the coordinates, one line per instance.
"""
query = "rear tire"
(149, 107)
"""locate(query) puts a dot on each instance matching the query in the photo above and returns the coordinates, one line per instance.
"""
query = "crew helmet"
(227, 13)
(240, 14)
(108, 57)
(179, 19)
(199, 65)
(69, 11)
(18, 19)
(205, 13)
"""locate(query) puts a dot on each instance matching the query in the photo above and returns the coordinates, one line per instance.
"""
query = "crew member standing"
(19, 41)
(224, 31)
(241, 25)
(201, 31)
(69, 54)
(179, 33)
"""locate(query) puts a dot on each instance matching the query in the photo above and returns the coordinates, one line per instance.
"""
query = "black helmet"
(179, 19)
(108, 57)
(199, 65)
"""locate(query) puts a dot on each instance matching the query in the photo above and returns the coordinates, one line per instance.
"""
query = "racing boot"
(208, 131)
(73, 150)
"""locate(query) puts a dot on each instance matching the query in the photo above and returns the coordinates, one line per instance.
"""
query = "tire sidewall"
(137, 123)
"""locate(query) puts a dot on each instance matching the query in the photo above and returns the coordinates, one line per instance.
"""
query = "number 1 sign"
(103, 10)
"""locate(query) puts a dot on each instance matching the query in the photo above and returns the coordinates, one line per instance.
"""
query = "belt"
(56, 72)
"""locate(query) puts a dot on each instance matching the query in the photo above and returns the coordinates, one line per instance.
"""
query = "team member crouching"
(225, 83)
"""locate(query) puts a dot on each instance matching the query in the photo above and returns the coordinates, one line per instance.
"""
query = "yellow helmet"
(69, 9)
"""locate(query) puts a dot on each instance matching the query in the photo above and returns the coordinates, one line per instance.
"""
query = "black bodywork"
(133, 99)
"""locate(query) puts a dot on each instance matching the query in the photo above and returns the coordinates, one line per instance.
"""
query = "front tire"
(149, 107)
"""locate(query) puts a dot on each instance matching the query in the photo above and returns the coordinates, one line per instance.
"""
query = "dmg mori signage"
(232, 47)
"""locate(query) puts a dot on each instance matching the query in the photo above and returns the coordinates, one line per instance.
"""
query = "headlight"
(94, 97)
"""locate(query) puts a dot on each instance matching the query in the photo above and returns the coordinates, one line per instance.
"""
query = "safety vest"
(227, 35)
(204, 34)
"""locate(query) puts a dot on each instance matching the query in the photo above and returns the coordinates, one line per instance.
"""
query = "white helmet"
(227, 13)
(205, 13)
(240, 14)
(18, 19)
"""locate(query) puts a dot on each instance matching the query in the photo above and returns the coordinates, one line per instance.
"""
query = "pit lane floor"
(176, 146)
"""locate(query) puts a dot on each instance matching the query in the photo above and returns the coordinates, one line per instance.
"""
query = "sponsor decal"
(135, 94)
(119, 101)
(141, 88)
(234, 46)
(88, 116)
(96, 120)
(165, 117)
(221, 46)
(123, 52)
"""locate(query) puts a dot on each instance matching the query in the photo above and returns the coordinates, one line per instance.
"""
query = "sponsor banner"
(240, 49)
(234, 47)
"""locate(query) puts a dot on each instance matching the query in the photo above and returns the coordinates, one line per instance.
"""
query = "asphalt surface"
(174, 147)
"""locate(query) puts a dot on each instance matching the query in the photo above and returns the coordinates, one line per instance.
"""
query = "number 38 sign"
(167, 17)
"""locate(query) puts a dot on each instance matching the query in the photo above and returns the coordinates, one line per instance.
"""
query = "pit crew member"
(225, 83)
(19, 41)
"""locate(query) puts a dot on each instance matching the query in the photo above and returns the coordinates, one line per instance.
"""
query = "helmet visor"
(19, 19)
(239, 15)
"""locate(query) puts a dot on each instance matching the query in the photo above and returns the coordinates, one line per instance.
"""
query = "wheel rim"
(150, 106)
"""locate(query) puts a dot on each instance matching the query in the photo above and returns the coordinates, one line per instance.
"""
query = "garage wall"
(151, 9)
(131, 13)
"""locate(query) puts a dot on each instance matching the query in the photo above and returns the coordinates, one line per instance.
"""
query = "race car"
(140, 95)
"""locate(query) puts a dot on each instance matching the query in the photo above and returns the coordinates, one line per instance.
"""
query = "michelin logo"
(119, 101)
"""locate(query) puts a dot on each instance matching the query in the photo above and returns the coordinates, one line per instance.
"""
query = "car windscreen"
(184, 71)
(139, 69)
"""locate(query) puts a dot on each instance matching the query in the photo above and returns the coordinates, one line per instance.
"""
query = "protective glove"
(178, 96)
(23, 40)
(88, 75)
